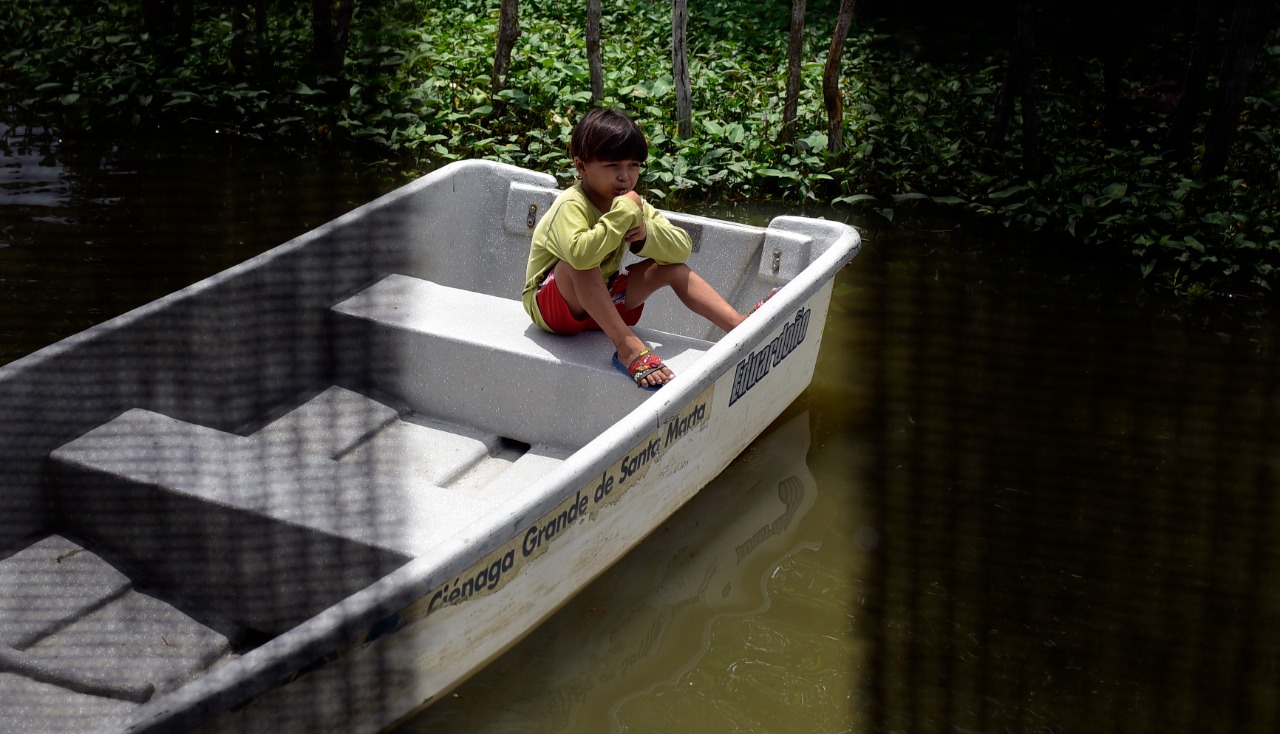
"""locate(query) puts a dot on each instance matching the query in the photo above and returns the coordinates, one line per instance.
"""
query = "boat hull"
(458, 627)
(372, 390)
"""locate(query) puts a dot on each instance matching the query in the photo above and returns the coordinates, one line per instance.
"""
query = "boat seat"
(220, 519)
(65, 613)
(474, 358)
(270, 528)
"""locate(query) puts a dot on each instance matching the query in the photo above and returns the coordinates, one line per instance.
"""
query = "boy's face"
(605, 180)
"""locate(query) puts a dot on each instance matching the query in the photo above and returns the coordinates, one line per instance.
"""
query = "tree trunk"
(157, 18)
(1030, 123)
(831, 78)
(795, 53)
(169, 22)
(593, 51)
(260, 32)
(1249, 27)
(680, 67)
(1115, 117)
(186, 21)
(1019, 83)
(1191, 98)
(1119, 21)
(508, 32)
(322, 32)
(331, 28)
(239, 33)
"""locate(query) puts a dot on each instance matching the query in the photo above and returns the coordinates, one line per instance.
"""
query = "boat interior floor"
(79, 643)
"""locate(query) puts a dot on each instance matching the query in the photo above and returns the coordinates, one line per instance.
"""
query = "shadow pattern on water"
(1076, 509)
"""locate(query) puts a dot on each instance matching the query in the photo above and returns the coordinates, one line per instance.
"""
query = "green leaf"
(1006, 193)
(1116, 190)
(815, 141)
(853, 199)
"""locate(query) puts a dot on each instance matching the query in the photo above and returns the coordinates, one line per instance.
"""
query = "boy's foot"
(761, 302)
(647, 370)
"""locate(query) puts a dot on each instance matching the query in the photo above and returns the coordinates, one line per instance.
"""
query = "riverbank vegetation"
(1086, 158)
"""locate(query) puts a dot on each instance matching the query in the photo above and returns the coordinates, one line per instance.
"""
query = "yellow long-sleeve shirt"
(574, 231)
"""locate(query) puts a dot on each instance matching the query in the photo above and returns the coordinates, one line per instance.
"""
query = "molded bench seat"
(270, 528)
(64, 612)
(474, 358)
(259, 536)
(49, 582)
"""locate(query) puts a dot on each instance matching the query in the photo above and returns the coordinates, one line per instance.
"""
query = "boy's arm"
(664, 241)
(583, 246)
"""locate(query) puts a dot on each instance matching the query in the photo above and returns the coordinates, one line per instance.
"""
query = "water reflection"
(728, 592)
(30, 175)
(90, 231)
(1076, 506)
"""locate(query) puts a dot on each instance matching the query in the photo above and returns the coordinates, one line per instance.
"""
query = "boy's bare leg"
(585, 293)
(696, 293)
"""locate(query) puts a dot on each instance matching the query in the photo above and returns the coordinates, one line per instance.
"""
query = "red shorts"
(556, 313)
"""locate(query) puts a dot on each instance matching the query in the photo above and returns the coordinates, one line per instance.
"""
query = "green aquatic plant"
(416, 90)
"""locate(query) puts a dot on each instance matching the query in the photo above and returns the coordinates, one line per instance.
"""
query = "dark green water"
(1007, 503)
(1038, 512)
(89, 232)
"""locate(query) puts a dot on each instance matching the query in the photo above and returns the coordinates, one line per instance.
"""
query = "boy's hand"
(635, 234)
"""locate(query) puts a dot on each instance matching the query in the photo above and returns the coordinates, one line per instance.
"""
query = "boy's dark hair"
(608, 135)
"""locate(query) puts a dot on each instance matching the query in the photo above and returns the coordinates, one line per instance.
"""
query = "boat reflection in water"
(648, 622)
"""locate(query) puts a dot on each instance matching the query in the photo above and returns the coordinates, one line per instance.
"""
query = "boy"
(572, 281)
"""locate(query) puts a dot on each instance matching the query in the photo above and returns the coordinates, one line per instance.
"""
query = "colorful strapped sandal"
(641, 367)
(761, 303)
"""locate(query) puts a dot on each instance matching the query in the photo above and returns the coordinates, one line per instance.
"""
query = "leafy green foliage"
(417, 86)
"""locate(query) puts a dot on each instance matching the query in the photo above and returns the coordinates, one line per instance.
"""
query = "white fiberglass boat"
(320, 489)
